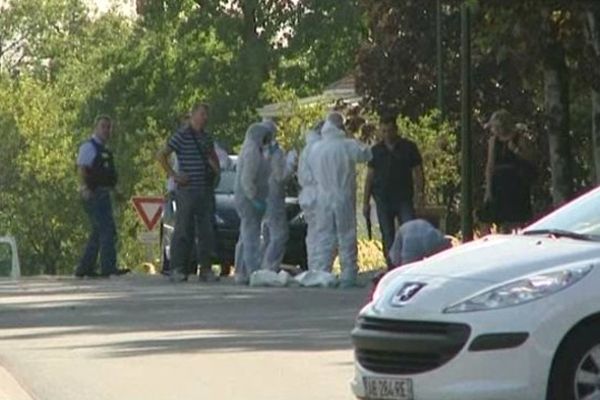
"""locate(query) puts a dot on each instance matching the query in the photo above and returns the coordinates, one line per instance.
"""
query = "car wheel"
(225, 270)
(575, 372)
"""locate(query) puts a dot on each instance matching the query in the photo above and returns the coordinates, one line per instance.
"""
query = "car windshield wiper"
(561, 233)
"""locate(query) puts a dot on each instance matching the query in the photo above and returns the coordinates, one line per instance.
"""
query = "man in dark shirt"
(394, 171)
(196, 177)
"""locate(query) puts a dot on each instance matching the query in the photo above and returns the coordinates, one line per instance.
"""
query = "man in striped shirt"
(197, 175)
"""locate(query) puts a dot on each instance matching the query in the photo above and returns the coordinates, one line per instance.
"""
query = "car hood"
(499, 258)
(457, 273)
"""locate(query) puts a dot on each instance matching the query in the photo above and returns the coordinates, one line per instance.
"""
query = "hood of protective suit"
(252, 173)
(330, 131)
(270, 125)
(311, 137)
(256, 134)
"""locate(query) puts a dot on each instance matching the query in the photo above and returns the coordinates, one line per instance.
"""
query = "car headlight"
(219, 220)
(522, 291)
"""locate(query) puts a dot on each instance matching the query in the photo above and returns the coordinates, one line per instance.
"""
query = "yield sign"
(149, 208)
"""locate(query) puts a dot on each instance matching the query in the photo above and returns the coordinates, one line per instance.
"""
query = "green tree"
(591, 23)
(61, 52)
(528, 57)
(60, 67)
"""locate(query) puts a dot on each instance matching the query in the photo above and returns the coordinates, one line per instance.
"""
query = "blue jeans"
(103, 236)
(391, 216)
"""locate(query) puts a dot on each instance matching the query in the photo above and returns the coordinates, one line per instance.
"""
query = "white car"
(504, 317)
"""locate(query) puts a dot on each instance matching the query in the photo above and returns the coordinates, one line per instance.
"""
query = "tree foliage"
(61, 66)
(529, 57)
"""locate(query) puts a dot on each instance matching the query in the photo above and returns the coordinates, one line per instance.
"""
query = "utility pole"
(466, 118)
(440, 61)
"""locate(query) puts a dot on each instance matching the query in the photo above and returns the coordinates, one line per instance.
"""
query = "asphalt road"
(141, 338)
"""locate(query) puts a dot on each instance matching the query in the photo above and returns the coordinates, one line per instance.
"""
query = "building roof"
(342, 89)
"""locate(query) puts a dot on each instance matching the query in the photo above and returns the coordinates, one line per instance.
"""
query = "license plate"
(388, 389)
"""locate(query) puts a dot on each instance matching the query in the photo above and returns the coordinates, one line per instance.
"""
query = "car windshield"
(227, 183)
(579, 218)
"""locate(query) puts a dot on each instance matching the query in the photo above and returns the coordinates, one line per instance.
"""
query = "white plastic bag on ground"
(285, 278)
(266, 278)
(316, 279)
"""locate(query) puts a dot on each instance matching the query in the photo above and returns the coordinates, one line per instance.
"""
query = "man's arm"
(251, 158)
(163, 159)
(361, 152)
(85, 159)
(84, 189)
(368, 192)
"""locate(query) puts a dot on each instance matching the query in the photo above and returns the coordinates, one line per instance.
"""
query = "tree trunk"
(592, 20)
(596, 131)
(556, 112)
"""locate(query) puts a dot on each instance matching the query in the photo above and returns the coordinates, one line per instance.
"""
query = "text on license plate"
(388, 389)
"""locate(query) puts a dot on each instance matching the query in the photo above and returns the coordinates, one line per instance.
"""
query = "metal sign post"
(466, 117)
(149, 209)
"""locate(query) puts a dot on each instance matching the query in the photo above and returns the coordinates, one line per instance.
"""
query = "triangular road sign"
(149, 208)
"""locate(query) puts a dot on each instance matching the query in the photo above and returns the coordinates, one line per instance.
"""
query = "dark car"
(227, 223)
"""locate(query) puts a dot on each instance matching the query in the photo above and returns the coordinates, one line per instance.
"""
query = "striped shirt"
(193, 161)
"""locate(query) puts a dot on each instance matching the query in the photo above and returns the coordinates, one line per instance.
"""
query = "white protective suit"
(416, 240)
(333, 163)
(276, 226)
(250, 193)
(308, 195)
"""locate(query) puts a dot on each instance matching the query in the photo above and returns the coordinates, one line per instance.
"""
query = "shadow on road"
(146, 315)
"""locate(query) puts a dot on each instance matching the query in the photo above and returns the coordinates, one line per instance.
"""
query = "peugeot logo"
(406, 293)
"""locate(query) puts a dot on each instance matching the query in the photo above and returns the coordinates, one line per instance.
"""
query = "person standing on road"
(98, 176)
(276, 225)
(394, 171)
(250, 192)
(510, 172)
(334, 165)
(198, 172)
(308, 195)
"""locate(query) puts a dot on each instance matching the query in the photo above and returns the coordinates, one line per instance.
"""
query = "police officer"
(98, 177)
